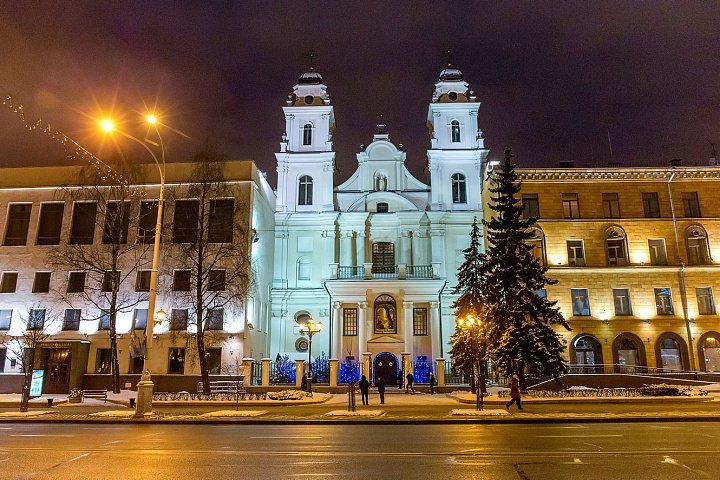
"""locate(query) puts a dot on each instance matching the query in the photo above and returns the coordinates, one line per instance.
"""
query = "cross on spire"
(448, 52)
(311, 54)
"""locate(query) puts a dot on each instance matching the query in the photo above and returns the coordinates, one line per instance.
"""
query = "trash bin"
(50, 401)
(132, 403)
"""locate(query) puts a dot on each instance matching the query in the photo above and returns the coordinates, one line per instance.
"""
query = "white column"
(404, 248)
(435, 339)
(346, 252)
(408, 327)
(417, 246)
(360, 249)
(337, 325)
(362, 338)
(437, 250)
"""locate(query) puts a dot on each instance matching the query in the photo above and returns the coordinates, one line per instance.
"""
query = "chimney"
(676, 162)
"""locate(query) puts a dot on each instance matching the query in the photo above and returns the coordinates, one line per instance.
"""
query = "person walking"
(431, 382)
(409, 383)
(364, 389)
(514, 392)
(380, 384)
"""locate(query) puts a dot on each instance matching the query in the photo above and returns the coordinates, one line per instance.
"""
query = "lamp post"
(473, 326)
(310, 329)
(145, 385)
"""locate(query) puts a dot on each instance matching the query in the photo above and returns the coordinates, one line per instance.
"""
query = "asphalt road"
(628, 451)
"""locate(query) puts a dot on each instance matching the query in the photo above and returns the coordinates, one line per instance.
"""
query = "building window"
(536, 244)
(459, 188)
(350, 322)
(663, 301)
(222, 221)
(383, 257)
(621, 299)
(176, 361)
(571, 205)
(147, 222)
(117, 220)
(179, 319)
(691, 204)
(420, 324)
(104, 322)
(71, 321)
(181, 281)
(651, 204)
(185, 225)
(139, 320)
(385, 310)
(82, 230)
(41, 283)
(215, 318)
(575, 253)
(611, 205)
(103, 361)
(5, 318)
(455, 131)
(76, 282)
(36, 319)
(304, 268)
(3, 356)
(50, 224)
(706, 305)
(142, 281)
(9, 282)
(307, 134)
(616, 247)
(110, 281)
(530, 206)
(18, 223)
(658, 256)
(382, 207)
(697, 246)
(214, 360)
(216, 281)
(305, 190)
(580, 302)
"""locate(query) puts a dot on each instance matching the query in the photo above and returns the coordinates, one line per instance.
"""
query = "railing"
(384, 271)
(419, 271)
(349, 273)
(256, 374)
(455, 376)
(610, 368)
(282, 371)
(321, 369)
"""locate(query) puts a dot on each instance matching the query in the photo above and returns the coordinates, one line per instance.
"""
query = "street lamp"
(310, 328)
(145, 385)
(473, 326)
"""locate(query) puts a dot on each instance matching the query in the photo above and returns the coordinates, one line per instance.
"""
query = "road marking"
(576, 436)
(284, 436)
(78, 457)
(40, 435)
(576, 461)
(314, 475)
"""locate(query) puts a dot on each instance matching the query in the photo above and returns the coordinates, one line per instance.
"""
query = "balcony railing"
(419, 271)
(369, 271)
(351, 273)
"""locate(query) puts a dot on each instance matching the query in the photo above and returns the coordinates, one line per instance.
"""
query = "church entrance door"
(386, 367)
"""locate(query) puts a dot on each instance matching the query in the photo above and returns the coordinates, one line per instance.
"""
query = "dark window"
(216, 281)
(651, 204)
(658, 256)
(9, 282)
(706, 304)
(616, 252)
(621, 299)
(580, 302)
(663, 301)
(148, 222)
(455, 128)
(420, 324)
(50, 224)
(691, 204)
(103, 361)
(181, 281)
(382, 207)
(117, 220)
(611, 205)
(36, 319)
(459, 188)
(571, 205)
(185, 226)
(5, 318)
(307, 134)
(305, 190)
(698, 249)
(215, 319)
(214, 360)
(108, 280)
(17, 224)
(222, 218)
(350, 322)
(140, 318)
(179, 319)
(142, 281)
(104, 323)
(576, 253)
(72, 319)
(41, 284)
(176, 360)
(383, 257)
(530, 206)
(3, 355)
(76, 282)
(82, 231)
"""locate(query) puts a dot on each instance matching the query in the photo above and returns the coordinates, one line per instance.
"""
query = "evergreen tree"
(519, 318)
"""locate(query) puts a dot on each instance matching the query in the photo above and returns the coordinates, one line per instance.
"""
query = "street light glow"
(107, 125)
(151, 119)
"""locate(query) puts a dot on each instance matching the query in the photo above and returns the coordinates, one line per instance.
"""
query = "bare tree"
(212, 244)
(23, 344)
(108, 200)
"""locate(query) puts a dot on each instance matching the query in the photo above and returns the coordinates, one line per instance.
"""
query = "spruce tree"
(518, 317)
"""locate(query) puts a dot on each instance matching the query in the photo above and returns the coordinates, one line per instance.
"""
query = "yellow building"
(636, 252)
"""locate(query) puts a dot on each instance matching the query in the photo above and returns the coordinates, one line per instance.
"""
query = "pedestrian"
(514, 392)
(364, 389)
(400, 382)
(409, 383)
(380, 384)
(431, 382)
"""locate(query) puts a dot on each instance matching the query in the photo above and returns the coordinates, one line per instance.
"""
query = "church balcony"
(369, 271)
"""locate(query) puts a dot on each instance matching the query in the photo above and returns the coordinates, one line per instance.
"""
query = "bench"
(224, 386)
(94, 394)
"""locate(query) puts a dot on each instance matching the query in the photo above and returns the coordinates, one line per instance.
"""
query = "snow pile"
(118, 413)
(289, 395)
(665, 390)
(578, 388)
(357, 413)
(32, 413)
(466, 412)
(233, 413)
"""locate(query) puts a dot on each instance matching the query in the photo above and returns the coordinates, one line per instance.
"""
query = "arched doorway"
(710, 352)
(628, 353)
(671, 352)
(587, 354)
(386, 366)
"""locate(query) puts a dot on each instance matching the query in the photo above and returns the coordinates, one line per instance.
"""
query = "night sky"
(557, 80)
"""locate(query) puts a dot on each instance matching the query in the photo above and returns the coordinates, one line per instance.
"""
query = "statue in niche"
(385, 315)
(381, 183)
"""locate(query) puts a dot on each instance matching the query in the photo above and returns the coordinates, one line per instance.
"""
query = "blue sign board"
(36, 385)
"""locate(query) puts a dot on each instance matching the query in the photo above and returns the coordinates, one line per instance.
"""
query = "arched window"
(697, 246)
(616, 246)
(628, 353)
(385, 320)
(305, 190)
(670, 353)
(459, 190)
(588, 355)
(711, 353)
(307, 134)
(536, 243)
(455, 131)
(304, 268)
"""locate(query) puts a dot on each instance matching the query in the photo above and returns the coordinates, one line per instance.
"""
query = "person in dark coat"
(364, 389)
(431, 382)
(514, 392)
(409, 383)
(380, 384)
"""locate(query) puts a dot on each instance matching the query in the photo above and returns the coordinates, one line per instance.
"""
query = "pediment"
(385, 339)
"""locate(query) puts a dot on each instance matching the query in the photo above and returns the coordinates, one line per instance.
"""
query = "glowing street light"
(473, 326)
(310, 328)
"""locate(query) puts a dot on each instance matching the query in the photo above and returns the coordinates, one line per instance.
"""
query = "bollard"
(132, 402)
(50, 401)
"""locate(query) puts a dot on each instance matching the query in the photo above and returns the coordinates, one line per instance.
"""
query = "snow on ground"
(117, 413)
(32, 413)
(357, 413)
(234, 413)
(466, 412)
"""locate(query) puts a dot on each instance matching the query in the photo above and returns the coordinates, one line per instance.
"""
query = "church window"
(420, 324)
(459, 193)
(350, 323)
(452, 96)
(305, 190)
(382, 207)
(455, 128)
(383, 257)
(307, 134)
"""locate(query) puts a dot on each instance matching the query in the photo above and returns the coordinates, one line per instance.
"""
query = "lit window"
(580, 302)
(621, 299)
(350, 322)
(140, 318)
(420, 324)
(663, 301)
